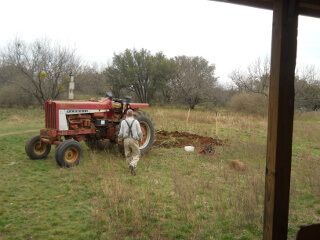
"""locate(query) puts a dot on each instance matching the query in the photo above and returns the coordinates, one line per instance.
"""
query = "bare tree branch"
(41, 65)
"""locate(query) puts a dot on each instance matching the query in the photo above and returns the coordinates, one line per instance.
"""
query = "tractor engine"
(76, 119)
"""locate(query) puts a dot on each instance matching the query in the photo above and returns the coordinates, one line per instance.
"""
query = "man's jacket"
(130, 127)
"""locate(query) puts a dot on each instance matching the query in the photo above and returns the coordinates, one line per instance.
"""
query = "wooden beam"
(309, 8)
(280, 119)
(265, 4)
(314, 3)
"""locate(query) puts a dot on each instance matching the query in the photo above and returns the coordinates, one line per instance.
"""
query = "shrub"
(11, 96)
(249, 103)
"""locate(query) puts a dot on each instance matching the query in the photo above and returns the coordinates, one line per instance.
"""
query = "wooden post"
(280, 119)
(71, 87)
(188, 116)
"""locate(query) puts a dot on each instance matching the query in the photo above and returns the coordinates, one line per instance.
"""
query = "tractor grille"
(51, 115)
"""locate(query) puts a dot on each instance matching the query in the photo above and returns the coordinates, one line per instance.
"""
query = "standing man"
(130, 131)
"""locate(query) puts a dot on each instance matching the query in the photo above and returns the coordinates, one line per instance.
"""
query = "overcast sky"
(227, 35)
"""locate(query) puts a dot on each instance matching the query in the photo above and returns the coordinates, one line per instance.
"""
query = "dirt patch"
(177, 139)
(238, 165)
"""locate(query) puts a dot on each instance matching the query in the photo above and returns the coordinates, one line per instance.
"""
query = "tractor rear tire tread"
(145, 117)
(143, 114)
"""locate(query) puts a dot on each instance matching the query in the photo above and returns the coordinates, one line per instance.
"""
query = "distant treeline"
(32, 73)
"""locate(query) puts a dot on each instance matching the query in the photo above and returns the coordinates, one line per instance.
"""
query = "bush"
(249, 103)
(11, 96)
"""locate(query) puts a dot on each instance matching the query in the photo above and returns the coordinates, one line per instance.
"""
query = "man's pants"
(132, 151)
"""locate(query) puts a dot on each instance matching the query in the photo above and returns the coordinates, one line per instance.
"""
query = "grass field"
(175, 195)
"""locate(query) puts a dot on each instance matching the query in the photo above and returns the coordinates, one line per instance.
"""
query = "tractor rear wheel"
(147, 127)
(98, 145)
(36, 149)
(68, 153)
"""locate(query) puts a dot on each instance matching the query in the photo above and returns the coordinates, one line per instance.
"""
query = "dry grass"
(180, 195)
(198, 196)
(208, 123)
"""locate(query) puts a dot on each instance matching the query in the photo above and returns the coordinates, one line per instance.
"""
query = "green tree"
(307, 88)
(140, 72)
(116, 75)
(195, 80)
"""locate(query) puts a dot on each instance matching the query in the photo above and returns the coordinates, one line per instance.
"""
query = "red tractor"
(95, 122)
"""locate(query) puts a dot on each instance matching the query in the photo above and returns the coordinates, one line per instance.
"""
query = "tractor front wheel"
(69, 153)
(36, 149)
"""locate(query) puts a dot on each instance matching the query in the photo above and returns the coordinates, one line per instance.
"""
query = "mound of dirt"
(238, 165)
(177, 139)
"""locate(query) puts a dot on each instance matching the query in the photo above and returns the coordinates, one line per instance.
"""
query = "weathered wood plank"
(314, 3)
(309, 232)
(280, 119)
(306, 7)
(266, 4)
(309, 8)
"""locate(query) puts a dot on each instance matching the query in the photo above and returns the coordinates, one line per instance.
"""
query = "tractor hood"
(101, 104)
